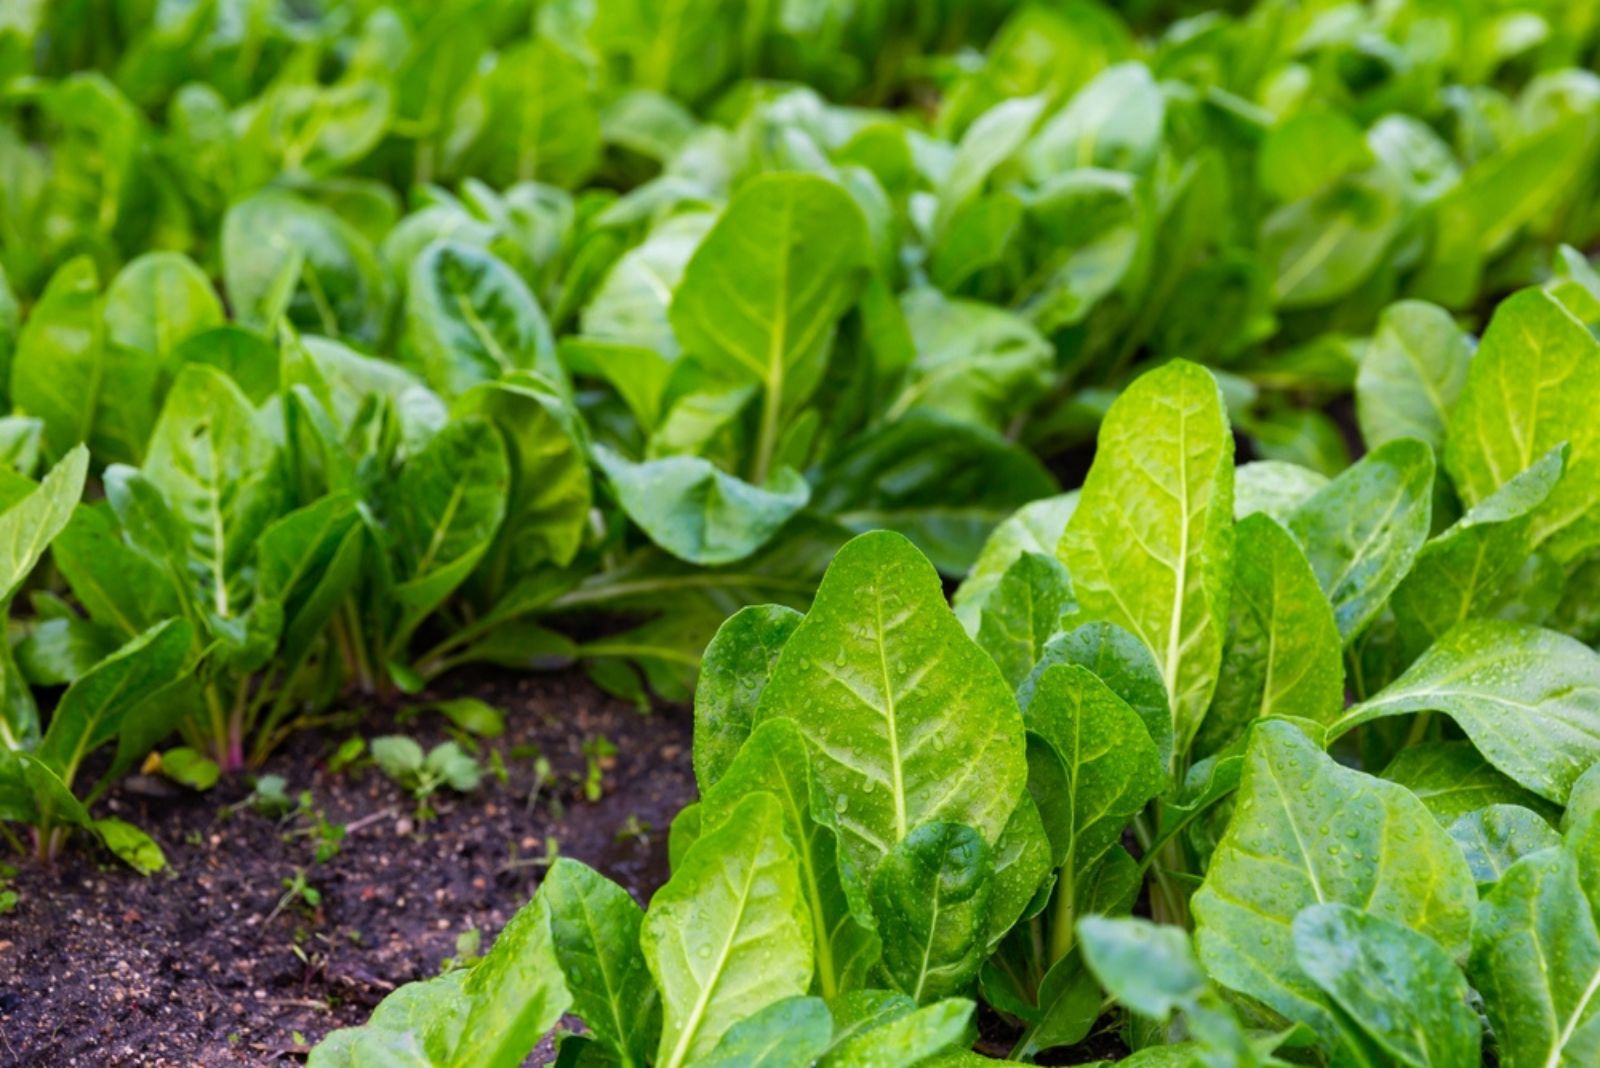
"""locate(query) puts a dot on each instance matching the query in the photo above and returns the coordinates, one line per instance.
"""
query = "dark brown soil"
(198, 966)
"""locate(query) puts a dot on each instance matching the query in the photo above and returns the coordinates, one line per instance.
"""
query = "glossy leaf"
(733, 673)
(931, 897)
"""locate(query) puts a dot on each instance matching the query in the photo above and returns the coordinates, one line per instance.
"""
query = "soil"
(200, 965)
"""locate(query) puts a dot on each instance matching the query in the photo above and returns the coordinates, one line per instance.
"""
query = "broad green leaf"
(1306, 831)
(1120, 661)
(1023, 613)
(1323, 247)
(729, 934)
(791, 1033)
(1533, 385)
(733, 673)
(1275, 487)
(1398, 988)
(629, 308)
(131, 845)
(514, 995)
(1452, 779)
(1494, 838)
(1149, 547)
(29, 526)
(1022, 864)
(988, 143)
(594, 931)
(216, 464)
(974, 362)
(908, 719)
(92, 709)
(1468, 570)
(760, 297)
(1528, 698)
(1308, 151)
(470, 319)
(1115, 121)
(394, 1034)
(1363, 530)
(157, 301)
(907, 1038)
(1411, 374)
(1283, 653)
(1080, 239)
(1033, 528)
(1536, 961)
(59, 363)
(307, 561)
(698, 512)
(774, 760)
(931, 897)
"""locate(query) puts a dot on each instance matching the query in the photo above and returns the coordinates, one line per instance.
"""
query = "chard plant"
(1253, 767)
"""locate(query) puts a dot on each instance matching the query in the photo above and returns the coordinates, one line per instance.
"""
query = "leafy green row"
(1147, 707)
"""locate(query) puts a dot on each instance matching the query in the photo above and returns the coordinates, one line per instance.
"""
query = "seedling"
(421, 775)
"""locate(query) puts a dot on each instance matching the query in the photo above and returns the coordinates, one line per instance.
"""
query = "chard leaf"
(908, 719)
(157, 301)
(594, 931)
(907, 1038)
(1536, 958)
(761, 294)
(513, 997)
(1275, 487)
(1023, 613)
(734, 671)
(470, 319)
(1452, 779)
(696, 511)
(729, 934)
(1283, 652)
(1397, 987)
(1119, 660)
(1533, 385)
(1307, 831)
(1149, 547)
(131, 845)
(308, 561)
(394, 1033)
(1496, 837)
(1468, 570)
(1528, 698)
(60, 355)
(1411, 375)
(931, 897)
(1363, 530)
(774, 760)
(1033, 528)
(791, 1033)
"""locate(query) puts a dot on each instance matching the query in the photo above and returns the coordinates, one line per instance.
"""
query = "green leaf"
(1362, 531)
(699, 513)
(470, 319)
(1023, 613)
(308, 560)
(1533, 385)
(59, 362)
(471, 714)
(184, 765)
(1283, 652)
(594, 929)
(93, 708)
(908, 1038)
(729, 934)
(1307, 831)
(1452, 779)
(931, 896)
(1469, 570)
(1274, 487)
(400, 757)
(1411, 374)
(1536, 961)
(791, 1033)
(760, 297)
(131, 845)
(157, 301)
(514, 995)
(909, 721)
(1496, 837)
(734, 671)
(1398, 988)
(1149, 547)
(774, 759)
(1323, 247)
(1527, 697)
(1033, 528)
(1120, 661)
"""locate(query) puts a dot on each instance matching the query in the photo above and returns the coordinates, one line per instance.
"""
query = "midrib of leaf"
(1180, 569)
(1288, 816)
(213, 492)
(703, 1000)
(70, 770)
(898, 779)
(605, 981)
(1312, 257)
(1574, 1018)
(772, 395)
(927, 944)
(481, 331)
(441, 528)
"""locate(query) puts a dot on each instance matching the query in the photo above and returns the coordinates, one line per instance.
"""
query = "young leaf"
(1283, 653)
(1363, 530)
(1533, 385)
(909, 721)
(733, 673)
(1033, 528)
(905, 1038)
(1149, 547)
(1023, 613)
(1528, 698)
(791, 1033)
(1307, 831)
(60, 357)
(729, 934)
(931, 896)
(594, 930)
(1494, 838)
(1120, 661)
(1398, 988)
(1411, 375)
(696, 511)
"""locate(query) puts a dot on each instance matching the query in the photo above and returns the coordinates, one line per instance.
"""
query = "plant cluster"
(1337, 747)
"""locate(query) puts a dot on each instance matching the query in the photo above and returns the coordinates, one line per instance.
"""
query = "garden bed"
(193, 967)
